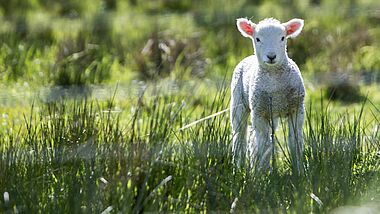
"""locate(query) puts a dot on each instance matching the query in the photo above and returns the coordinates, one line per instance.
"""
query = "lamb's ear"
(246, 27)
(293, 27)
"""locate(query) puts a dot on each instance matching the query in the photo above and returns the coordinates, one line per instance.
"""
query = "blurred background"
(92, 42)
(141, 70)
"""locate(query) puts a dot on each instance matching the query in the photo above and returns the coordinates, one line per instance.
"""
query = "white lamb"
(269, 86)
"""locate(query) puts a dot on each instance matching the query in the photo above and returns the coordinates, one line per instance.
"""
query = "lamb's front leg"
(260, 146)
(239, 118)
(295, 139)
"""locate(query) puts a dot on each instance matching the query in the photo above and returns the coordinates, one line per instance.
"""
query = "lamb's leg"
(260, 144)
(295, 139)
(239, 118)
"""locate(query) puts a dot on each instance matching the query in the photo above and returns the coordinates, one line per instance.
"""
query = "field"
(93, 96)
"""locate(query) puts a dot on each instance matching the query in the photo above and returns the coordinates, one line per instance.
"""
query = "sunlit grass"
(89, 155)
(82, 130)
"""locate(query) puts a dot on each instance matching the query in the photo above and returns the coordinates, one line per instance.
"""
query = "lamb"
(268, 85)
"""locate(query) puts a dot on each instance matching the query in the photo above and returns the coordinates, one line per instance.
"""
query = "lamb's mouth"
(271, 62)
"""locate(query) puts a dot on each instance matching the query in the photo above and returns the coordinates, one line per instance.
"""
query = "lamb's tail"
(206, 118)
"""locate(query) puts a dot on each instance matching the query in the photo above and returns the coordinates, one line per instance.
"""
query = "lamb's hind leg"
(239, 118)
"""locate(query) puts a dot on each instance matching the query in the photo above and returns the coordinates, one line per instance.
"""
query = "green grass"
(93, 95)
(71, 43)
(86, 156)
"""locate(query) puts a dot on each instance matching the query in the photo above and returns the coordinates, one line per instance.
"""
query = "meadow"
(93, 96)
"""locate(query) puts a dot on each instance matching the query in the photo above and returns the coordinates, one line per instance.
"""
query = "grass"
(58, 43)
(82, 156)
(72, 142)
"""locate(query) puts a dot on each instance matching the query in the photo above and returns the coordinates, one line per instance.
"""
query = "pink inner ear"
(247, 28)
(292, 27)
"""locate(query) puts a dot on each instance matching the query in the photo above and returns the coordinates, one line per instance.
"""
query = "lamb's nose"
(271, 57)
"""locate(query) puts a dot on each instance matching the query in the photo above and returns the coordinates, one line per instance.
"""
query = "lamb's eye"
(282, 38)
(257, 39)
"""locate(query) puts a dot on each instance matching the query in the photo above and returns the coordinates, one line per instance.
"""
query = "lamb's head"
(269, 38)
